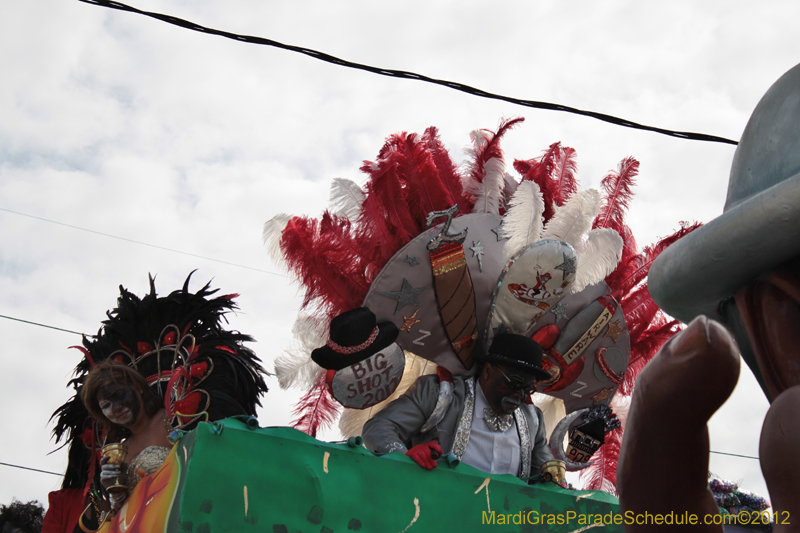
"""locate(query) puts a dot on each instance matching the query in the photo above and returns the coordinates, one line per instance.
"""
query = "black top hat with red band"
(355, 335)
(516, 351)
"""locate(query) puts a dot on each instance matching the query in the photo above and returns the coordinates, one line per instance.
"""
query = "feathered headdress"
(179, 345)
(367, 229)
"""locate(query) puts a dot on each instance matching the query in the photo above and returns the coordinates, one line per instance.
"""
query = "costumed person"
(158, 364)
(487, 425)
(132, 414)
(18, 517)
(736, 277)
(453, 256)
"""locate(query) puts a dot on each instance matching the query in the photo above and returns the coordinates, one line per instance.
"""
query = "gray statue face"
(506, 388)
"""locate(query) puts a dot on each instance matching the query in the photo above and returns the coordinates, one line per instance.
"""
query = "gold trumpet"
(116, 453)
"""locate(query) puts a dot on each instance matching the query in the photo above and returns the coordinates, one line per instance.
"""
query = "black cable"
(141, 243)
(408, 75)
(45, 326)
(33, 469)
(736, 455)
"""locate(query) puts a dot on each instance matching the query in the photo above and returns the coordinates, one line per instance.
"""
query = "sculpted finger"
(780, 440)
(666, 436)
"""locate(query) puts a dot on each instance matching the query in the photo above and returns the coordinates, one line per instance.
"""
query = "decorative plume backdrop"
(129, 127)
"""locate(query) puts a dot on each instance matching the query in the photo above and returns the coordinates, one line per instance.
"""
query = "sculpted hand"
(425, 454)
(663, 463)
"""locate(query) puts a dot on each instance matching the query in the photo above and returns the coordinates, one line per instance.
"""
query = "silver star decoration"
(407, 295)
(560, 310)
(567, 267)
(501, 235)
(477, 251)
(411, 260)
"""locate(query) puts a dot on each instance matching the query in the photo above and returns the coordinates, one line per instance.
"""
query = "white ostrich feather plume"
(346, 198)
(489, 192)
(574, 219)
(352, 421)
(294, 367)
(522, 223)
(272, 238)
(598, 256)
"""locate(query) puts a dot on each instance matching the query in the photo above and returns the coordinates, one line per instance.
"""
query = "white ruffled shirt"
(487, 450)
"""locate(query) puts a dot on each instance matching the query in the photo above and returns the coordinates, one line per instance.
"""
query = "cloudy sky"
(126, 126)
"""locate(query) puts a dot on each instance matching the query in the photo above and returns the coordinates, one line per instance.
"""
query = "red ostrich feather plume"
(316, 409)
(554, 173)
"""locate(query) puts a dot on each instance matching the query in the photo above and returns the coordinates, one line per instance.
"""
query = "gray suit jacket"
(398, 426)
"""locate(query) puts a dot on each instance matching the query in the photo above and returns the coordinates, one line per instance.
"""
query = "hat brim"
(328, 359)
(539, 373)
(709, 265)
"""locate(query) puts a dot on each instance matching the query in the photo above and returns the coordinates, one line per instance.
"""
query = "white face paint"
(120, 404)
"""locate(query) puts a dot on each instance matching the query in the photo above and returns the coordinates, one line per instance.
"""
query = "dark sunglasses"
(517, 385)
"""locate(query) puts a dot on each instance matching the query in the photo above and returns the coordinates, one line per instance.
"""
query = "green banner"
(229, 476)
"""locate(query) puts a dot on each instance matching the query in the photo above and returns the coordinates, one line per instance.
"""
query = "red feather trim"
(326, 269)
(490, 149)
(86, 354)
(563, 175)
(448, 172)
(617, 188)
(169, 338)
(645, 348)
(638, 266)
(189, 406)
(554, 173)
(421, 181)
(316, 409)
(602, 475)
(487, 150)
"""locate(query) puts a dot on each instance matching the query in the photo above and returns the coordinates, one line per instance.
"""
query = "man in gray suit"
(485, 421)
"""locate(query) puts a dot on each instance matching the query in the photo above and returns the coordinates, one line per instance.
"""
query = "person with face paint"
(130, 412)
(488, 421)
(159, 363)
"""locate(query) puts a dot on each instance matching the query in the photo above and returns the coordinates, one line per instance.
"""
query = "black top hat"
(355, 335)
(516, 351)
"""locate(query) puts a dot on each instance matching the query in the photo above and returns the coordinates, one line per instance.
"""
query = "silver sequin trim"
(525, 444)
(465, 422)
(442, 405)
(148, 461)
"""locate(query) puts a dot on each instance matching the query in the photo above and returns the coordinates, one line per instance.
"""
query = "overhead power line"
(45, 326)
(736, 455)
(33, 469)
(142, 243)
(408, 75)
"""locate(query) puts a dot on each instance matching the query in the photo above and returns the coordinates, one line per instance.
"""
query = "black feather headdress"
(179, 345)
